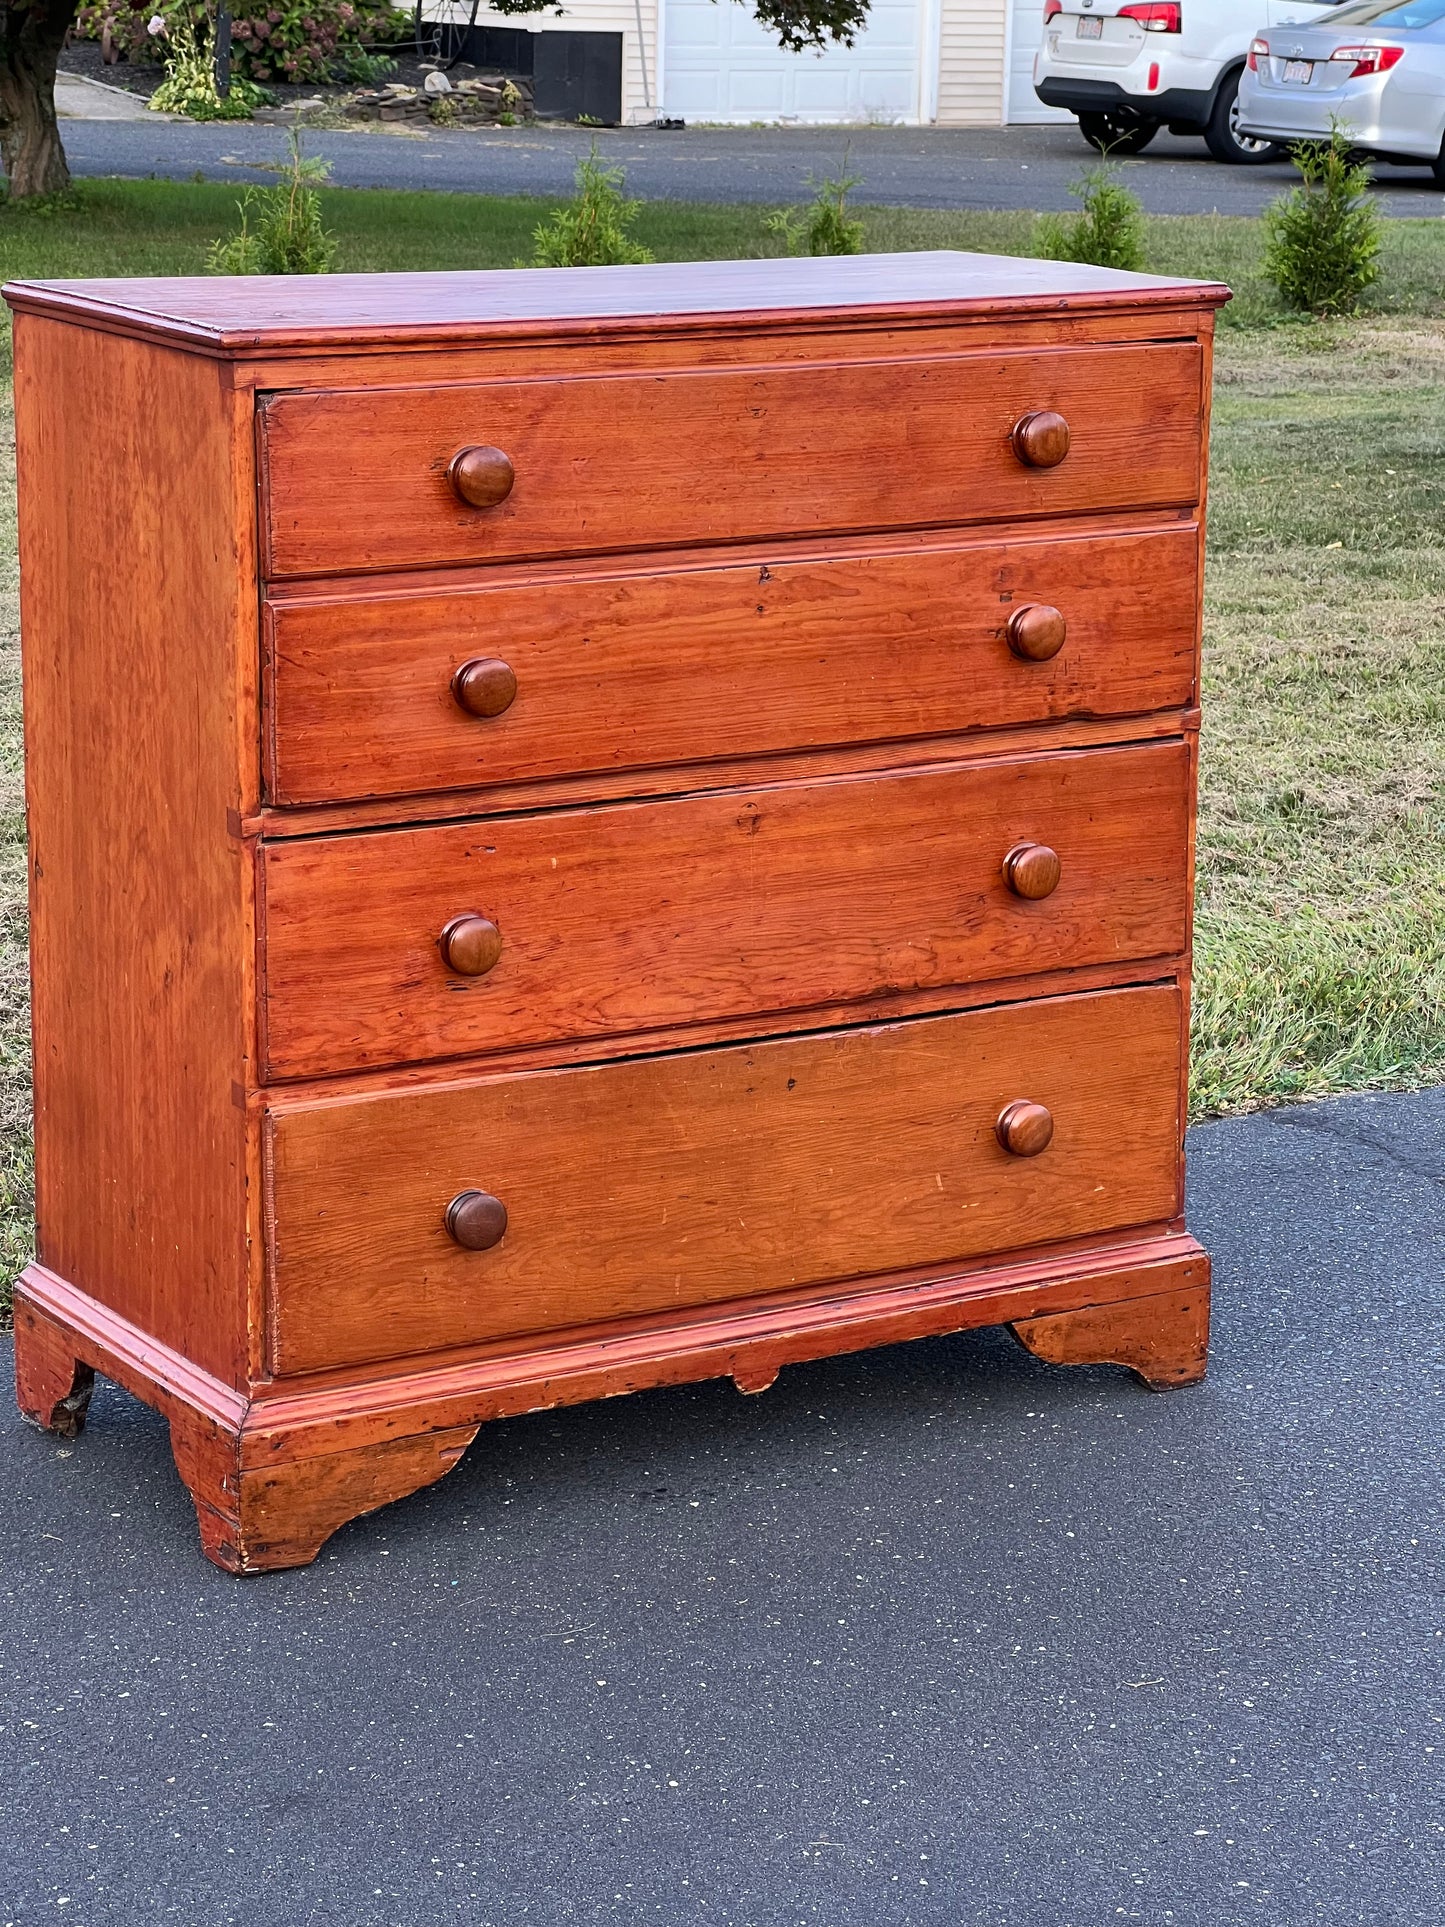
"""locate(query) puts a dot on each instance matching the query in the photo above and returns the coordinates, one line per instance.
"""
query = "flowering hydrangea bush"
(303, 40)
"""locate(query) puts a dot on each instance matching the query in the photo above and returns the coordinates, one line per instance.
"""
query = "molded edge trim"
(748, 1345)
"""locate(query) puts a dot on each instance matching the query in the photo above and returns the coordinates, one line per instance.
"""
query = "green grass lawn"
(1321, 911)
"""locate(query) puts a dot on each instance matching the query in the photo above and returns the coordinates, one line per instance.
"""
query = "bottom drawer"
(660, 1183)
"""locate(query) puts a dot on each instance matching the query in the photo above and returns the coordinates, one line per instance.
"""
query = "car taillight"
(1155, 16)
(1368, 60)
(1256, 48)
(1052, 9)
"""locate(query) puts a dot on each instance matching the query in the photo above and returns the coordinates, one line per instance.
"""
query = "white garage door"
(719, 64)
(1027, 31)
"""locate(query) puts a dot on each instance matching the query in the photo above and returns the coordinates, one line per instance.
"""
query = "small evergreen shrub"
(1324, 237)
(590, 231)
(281, 231)
(825, 225)
(1107, 231)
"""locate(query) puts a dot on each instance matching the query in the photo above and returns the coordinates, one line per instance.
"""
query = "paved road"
(936, 1637)
(1019, 167)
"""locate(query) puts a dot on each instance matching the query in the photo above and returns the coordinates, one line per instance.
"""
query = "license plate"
(1297, 72)
(1090, 29)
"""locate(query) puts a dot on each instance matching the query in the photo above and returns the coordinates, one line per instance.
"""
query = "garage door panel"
(722, 65)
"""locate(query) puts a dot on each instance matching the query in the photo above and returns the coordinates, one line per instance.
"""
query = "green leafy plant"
(590, 230)
(1324, 237)
(189, 87)
(281, 231)
(1108, 229)
(301, 40)
(825, 225)
(358, 64)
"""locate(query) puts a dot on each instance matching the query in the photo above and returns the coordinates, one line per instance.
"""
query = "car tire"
(1221, 131)
(1437, 166)
(1122, 132)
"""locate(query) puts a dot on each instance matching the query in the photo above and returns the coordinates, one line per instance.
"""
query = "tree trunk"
(29, 135)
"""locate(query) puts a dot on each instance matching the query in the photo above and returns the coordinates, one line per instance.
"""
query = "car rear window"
(1370, 13)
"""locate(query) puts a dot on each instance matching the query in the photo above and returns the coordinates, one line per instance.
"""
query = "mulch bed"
(475, 98)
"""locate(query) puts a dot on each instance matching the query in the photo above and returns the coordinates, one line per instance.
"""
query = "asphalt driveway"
(933, 1637)
(1016, 167)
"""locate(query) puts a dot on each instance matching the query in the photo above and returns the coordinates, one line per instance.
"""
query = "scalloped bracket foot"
(271, 1517)
(52, 1386)
(1163, 1340)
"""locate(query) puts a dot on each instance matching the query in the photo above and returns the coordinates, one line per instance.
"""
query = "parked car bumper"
(1099, 96)
(1365, 110)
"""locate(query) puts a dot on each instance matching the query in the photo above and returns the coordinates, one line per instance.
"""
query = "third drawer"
(399, 946)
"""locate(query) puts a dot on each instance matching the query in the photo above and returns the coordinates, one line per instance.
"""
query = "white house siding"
(971, 55)
(639, 52)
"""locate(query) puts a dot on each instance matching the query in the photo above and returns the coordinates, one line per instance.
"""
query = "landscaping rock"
(478, 102)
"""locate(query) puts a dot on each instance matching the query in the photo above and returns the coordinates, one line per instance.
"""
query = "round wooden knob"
(481, 477)
(470, 945)
(476, 1220)
(1024, 1129)
(1036, 632)
(1041, 440)
(1032, 870)
(484, 686)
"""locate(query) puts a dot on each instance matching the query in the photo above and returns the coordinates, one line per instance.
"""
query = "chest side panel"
(139, 644)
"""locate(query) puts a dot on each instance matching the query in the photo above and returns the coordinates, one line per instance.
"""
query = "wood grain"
(724, 719)
(52, 1385)
(274, 1517)
(1164, 1340)
(672, 664)
(138, 611)
(354, 312)
(673, 1181)
(641, 916)
(537, 351)
(601, 460)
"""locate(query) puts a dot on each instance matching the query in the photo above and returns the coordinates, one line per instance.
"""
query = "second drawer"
(400, 946)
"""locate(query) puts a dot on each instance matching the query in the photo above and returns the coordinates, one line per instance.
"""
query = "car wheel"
(1222, 135)
(1121, 132)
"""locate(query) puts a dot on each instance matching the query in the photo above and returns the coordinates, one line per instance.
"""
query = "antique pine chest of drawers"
(594, 829)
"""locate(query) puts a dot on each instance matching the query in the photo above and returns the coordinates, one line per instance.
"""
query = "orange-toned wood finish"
(785, 451)
(661, 665)
(136, 573)
(664, 1182)
(642, 916)
(694, 877)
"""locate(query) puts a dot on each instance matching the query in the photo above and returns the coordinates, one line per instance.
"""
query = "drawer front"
(640, 916)
(625, 672)
(662, 1183)
(359, 480)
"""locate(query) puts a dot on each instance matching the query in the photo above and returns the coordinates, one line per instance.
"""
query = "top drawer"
(359, 480)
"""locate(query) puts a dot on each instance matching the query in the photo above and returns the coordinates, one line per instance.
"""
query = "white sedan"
(1376, 70)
